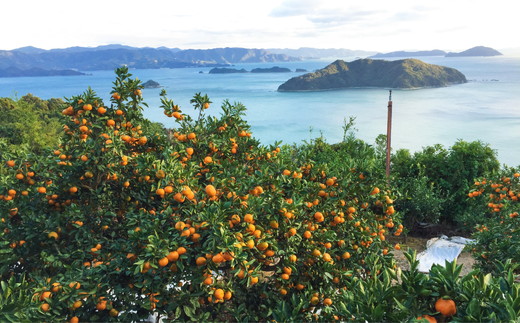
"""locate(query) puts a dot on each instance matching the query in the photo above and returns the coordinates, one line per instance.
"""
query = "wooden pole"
(389, 137)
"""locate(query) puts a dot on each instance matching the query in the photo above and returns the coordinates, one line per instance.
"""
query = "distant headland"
(399, 74)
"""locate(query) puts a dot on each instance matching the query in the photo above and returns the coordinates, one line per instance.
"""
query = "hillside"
(407, 73)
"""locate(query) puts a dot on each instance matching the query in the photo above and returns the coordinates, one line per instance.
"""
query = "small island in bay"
(274, 69)
(399, 74)
(151, 84)
(225, 70)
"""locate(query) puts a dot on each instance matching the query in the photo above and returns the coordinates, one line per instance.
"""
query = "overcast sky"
(378, 25)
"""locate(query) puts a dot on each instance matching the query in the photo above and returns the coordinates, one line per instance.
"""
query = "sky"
(374, 25)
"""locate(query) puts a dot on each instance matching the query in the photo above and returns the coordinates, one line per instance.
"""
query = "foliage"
(498, 226)
(15, 300)
(479, 297)
(30, 122)
(434, 182)
(203, 223)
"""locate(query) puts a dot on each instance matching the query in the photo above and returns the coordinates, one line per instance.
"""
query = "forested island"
(407, 73)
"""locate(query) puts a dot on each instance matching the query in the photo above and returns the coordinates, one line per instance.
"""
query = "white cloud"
(369, 24)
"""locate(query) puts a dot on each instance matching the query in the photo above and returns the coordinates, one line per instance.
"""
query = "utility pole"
(389, 137)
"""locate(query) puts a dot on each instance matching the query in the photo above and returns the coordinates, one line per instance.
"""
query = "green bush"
(433, 183)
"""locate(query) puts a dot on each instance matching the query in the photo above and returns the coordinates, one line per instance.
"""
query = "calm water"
(487, 108)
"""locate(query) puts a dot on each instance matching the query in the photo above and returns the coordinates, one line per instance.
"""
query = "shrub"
(433, 183)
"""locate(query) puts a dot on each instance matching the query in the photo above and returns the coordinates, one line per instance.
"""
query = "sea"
(487, 108)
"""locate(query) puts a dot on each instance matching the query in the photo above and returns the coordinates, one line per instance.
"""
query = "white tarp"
(438, 250)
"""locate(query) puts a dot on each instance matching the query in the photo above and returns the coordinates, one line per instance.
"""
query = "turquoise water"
(487, 108)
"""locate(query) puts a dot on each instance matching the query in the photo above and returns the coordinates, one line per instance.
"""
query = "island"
(151, 84)
(225, 70)
(35, 71)
(274, 69)
(399, 74)
(476, 51)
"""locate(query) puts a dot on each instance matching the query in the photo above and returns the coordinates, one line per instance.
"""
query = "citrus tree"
(123, 219)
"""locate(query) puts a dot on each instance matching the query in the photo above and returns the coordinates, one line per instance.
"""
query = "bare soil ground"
(419, 244)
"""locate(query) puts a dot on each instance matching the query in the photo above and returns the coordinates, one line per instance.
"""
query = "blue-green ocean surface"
(487, 108)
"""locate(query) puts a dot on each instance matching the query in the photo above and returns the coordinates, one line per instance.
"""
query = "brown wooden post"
(389, 137)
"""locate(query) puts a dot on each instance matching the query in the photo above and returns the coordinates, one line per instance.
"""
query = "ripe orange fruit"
(75, 285)
(173, 256)
(227, 295)
(101, 110)
(208, 280)
(345, 255)
(74, 319)
(163, 262)
(327, 302)
(10, 163)
(101, 305)
(45, 295)
(77, 304)
(208, 160)
(181, 250)
(42, 190)
(45, 307)
(53, 234)
(249, 218)
(446, 306)
(219, 294)
(211, 191)
(200, 261)
(116, 96)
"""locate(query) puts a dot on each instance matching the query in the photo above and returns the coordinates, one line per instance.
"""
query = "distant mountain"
(112, 56)
(35, 71)
(308, 52)
(231, 56)
(435, 52)
(407, 73)
(476, 51)
(225, 70)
